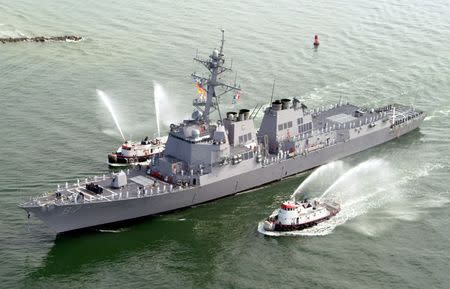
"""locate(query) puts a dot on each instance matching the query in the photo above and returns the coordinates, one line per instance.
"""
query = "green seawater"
(54, 129)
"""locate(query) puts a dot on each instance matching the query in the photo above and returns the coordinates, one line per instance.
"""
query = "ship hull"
(115, 160)
(79, 216)
(272, 226)
(281, 228)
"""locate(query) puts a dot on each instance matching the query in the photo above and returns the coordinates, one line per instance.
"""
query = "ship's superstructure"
(293, 216)
(204, 159)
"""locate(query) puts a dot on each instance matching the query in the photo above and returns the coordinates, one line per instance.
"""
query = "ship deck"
(139, 185)
(349, 115)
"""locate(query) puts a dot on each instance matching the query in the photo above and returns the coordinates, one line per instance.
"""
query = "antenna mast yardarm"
(215, 66)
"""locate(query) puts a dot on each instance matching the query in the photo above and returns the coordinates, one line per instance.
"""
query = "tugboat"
(296, 216)
(135, 153)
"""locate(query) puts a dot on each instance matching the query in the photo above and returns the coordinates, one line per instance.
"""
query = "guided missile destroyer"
(205, 160)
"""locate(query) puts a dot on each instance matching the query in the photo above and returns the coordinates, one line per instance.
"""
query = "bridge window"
(285, 125)
(305, 127)
(247, 155)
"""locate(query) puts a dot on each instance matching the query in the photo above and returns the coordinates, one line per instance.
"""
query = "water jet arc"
(104, 97)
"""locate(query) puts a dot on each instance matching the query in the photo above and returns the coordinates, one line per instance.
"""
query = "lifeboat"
(295, 216)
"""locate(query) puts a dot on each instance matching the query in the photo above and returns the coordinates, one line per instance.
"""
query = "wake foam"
(110, 231)
(438, 114)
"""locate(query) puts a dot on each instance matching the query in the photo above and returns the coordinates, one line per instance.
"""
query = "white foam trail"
(108, 105)
(444, 112)
(321, 178)
(438, 114)
(113, 231)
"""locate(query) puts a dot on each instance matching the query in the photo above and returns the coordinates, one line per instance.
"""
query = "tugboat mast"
(215, 65)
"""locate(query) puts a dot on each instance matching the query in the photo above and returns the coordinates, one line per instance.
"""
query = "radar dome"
(215, 54)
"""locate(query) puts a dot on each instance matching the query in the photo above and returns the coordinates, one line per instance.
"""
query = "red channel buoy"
(316, 41)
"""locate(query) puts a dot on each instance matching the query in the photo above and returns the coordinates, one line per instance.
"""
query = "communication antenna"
(257, 111)
(253, 111)
(273, 90)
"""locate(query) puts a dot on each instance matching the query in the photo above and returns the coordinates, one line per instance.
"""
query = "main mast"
(215, 66)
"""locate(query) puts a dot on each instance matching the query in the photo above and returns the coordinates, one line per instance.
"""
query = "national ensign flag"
(237, 95)
(200, 89)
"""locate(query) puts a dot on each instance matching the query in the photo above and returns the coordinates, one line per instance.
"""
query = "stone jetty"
(40, 39)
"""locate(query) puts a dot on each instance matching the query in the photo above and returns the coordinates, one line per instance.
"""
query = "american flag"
(237, 96)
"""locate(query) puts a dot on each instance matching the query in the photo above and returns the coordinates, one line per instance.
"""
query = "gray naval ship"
(205, 160)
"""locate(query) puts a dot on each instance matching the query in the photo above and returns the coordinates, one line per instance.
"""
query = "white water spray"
(104, 97)
(368, 186)
(321, 178)
(165, 108)
(158, 94)
(370, 170)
